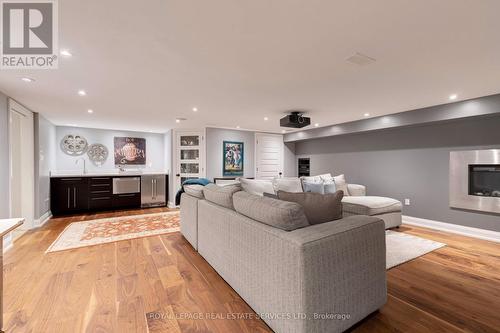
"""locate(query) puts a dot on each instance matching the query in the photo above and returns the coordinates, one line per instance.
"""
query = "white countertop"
(7, 225)
(105, 173)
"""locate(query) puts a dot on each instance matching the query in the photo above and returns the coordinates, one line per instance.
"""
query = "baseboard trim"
(43, 219)
(8, 247)
(489, 235)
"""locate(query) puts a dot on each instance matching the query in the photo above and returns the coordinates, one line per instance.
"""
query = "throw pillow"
(313, 187)
(341, 184)
(221, 195)
(319, 208)
(257, 186)
(280, 214)
(288, 184)
(330, 187)
(311, 179)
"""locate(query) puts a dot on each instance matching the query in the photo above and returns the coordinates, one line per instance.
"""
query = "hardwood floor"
(160, 284)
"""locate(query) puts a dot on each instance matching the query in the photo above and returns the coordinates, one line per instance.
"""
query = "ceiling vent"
(360, 59)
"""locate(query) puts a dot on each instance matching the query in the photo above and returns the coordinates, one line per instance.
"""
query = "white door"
(189, 156)
(268, 155)
(22, 163)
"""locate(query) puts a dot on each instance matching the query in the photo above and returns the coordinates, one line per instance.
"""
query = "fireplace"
(475, 180)
(484, 180)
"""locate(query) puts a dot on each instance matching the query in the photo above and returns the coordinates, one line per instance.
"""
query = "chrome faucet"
(121, 168)
(84, 164)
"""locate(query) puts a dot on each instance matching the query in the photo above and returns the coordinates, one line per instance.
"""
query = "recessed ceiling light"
(66, 53)
(82, 93)
(27, 79)
(283, 131)
(195, 109)
(453, 97)
(366, 114)
(90, 111)
(316, 125)
(237, 127)
(177, 121)
(265, 118)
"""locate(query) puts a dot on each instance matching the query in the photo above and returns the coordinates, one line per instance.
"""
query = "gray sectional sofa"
(299, 278)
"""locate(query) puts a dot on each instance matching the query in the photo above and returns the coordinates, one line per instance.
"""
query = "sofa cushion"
(270, 195)
(276, 213)
(257, 186)
(369, 205)
(288, 184)
(319, 208)
(221, 195)
(194, 190)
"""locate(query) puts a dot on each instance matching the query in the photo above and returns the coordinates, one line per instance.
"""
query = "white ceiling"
(143, 64)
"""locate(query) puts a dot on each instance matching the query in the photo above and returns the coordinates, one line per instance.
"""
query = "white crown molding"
(488, 235)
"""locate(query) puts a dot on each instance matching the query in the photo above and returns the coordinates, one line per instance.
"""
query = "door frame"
(256, 155)
(28, 172)
(176, 147)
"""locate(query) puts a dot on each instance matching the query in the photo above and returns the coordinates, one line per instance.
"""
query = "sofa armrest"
(344, 271)
(356, 190)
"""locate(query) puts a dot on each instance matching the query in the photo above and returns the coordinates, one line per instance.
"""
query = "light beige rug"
(401, 247)
(95, 232)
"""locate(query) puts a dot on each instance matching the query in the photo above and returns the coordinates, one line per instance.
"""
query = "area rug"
(401, 247)
(95, 232)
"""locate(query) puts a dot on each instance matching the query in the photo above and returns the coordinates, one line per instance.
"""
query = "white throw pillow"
(326, 177)
(257, 186)
(287, 184)
(341, 184)
(311, 179)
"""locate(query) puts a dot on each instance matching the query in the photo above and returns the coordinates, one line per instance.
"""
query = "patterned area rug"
(95, 232)
(401, 247)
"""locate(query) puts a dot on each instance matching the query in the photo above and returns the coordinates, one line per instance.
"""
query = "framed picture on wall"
(232, 158)
(130, 151)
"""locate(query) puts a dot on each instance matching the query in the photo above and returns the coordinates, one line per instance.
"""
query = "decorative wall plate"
(74, 145)
(98, 154)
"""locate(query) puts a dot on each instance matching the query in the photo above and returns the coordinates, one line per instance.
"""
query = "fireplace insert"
(484, 180)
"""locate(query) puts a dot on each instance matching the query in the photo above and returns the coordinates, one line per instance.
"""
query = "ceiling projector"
(295, 120)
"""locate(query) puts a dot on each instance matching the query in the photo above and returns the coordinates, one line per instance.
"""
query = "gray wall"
(45, 161)
(155, 153)
(408, 163)
(4, 157)
(214, 139)
(290, 167)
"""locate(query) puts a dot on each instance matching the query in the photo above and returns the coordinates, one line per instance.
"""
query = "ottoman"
(386, 209)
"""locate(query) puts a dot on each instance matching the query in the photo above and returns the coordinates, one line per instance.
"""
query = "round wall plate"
(74, 145)
(98, 153)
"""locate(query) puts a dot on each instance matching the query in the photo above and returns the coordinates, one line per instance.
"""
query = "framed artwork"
(130, 151)
(232, 158)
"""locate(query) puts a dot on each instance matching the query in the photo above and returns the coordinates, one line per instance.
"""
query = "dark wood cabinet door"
(61, 193)
(81, 196)
(69, 195)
